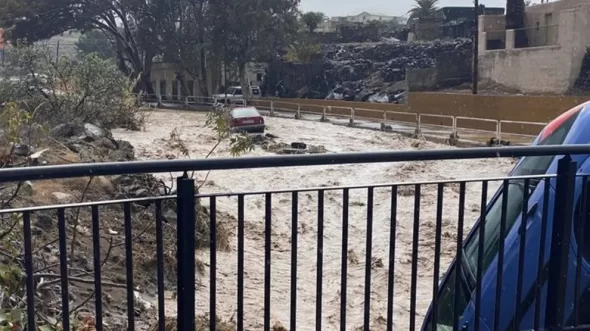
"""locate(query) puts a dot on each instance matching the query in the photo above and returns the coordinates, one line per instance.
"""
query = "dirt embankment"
(68, 144)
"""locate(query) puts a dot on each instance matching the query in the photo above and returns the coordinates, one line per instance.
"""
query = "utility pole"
(475, 61)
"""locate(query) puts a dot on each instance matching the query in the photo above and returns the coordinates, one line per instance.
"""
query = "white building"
(331, 24)
(364, 17)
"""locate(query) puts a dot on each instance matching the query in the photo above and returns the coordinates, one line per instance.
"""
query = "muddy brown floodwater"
(200, 139)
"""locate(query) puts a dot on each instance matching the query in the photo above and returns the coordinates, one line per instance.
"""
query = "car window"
(245, 112)
(582, 213)
(255, 91)
(554, 134)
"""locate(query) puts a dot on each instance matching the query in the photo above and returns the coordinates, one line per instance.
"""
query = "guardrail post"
(324, 118)
(455, 135)
(185, 226)
(351, 121)
(272, 108)
(298, 114)
(418, 130)
(498, 129)
(186, 102)
(563, 212)
(159, 99)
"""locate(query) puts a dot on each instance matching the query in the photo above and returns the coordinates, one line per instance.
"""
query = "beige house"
(166, 84)
(555, 41)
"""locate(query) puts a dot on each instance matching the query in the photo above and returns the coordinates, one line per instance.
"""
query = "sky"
(383, 7)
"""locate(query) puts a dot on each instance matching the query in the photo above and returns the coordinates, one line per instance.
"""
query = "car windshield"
(537, 165)
(245, 112)
(234, 91)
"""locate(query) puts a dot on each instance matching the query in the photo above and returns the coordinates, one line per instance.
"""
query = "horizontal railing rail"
(137, 167)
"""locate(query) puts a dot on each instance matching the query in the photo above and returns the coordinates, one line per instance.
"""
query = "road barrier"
(385, 117)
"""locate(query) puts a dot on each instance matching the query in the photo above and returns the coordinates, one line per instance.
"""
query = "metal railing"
(383, 117)
(383, 211)
(187, 101)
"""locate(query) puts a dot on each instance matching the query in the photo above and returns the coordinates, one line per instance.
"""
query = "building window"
(259, 77)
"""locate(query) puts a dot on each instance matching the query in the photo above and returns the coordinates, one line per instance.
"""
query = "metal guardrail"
(382, 116)
(186, 200)
(155, 100)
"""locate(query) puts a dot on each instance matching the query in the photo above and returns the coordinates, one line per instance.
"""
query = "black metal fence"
(547, 303)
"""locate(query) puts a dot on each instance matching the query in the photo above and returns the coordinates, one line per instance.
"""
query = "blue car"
(569, 128)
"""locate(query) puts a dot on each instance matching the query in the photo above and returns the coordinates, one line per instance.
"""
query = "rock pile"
(373, 72)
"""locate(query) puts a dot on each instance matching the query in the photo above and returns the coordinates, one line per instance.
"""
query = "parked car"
(246, 119)
(234, 95)
(572, 127)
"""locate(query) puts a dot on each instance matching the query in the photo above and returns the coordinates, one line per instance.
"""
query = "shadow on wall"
(451, 69)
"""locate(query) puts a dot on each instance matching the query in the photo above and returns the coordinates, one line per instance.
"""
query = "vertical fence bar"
(294, 232)
(186, 253)
(437, 248)
(368, 258)
(129, 265)
(63, 264)
(541, 261)
(500, 272)
(416, 237)
(267, 256)
(560, 242)
(241, 230)
(391, 272)
(160, 267)
(344, 275)
(213, 263)
(30, 284)
(583, 212)
(480, 253)
(521, 252)
(457, 302)
(97, 266)
(320, 259)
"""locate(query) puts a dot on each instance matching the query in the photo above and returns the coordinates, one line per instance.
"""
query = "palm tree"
(423, 8)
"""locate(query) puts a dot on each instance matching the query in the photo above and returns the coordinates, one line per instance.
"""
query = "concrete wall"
(452, 69)
(539, 12)
(532, 70)
(547, 69)
(421, 79)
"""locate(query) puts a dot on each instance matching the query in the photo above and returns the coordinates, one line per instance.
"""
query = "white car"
(234, 95)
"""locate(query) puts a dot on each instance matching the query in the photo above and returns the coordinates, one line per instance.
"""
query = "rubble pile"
(373, 72)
